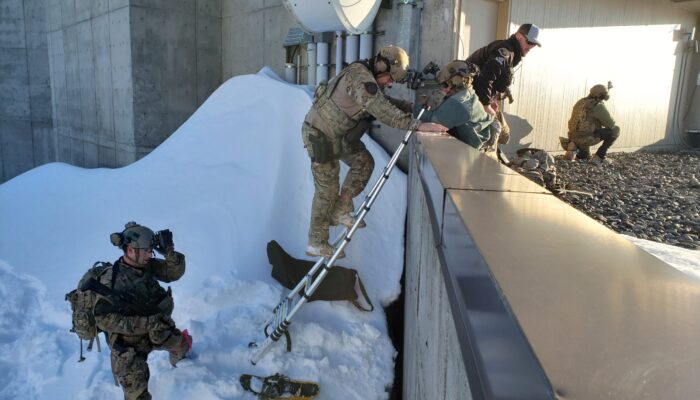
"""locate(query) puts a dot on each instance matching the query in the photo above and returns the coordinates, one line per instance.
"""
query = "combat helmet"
(599, 91)
(458, 73)
(134, 235)
(392, 59)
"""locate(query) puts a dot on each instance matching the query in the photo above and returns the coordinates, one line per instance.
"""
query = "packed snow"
(684, 260)
(232, 178)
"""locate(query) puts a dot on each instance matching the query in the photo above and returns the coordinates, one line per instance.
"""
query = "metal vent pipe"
(311, 61)
(366, 45)
(338, 52)
(352, 43)
(322, 61)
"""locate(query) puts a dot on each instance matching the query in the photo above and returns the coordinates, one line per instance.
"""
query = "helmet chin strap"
(133, 263)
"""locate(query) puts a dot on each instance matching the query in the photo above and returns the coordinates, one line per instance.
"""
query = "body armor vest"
(335, 121)
(581, 118)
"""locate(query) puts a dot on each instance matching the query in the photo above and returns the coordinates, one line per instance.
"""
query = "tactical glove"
(163, 242)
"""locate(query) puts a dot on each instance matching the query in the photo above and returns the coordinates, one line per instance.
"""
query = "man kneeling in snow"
(136, 313)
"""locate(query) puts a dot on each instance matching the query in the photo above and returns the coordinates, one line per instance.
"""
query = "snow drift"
(231, 178)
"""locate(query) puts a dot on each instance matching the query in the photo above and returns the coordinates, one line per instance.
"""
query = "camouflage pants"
(584, 140)
(326, 184)
(130, 367)
(499, 133)
(504, 134)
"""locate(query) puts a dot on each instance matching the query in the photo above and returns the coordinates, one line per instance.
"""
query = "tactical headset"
(382, 64)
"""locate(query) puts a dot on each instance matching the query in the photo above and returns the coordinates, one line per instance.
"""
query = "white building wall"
(477, 25)
(585, 42)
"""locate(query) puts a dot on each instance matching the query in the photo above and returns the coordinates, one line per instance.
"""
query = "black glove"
(163, 242)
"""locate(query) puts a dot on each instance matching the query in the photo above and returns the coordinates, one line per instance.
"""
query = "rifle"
(125, 303)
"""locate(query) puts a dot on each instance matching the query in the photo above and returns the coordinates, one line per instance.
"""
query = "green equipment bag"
(82, 304)
(339, 283)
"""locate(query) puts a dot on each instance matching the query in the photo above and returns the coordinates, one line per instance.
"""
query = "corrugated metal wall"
(628, 42)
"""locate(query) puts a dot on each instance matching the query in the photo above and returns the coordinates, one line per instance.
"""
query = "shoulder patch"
(371, 88)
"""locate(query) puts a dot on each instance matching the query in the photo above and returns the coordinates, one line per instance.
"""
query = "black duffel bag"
(339, 283)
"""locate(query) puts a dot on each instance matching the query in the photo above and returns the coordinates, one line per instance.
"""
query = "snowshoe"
(279, 387)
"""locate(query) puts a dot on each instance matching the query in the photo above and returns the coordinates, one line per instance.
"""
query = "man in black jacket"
(496, 62)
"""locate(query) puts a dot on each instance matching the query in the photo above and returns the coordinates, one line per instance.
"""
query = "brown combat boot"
(322, 250)
(570, 151)
(347, 220)
(343, 214)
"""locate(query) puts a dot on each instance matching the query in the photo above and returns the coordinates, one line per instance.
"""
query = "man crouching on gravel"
(590, 124)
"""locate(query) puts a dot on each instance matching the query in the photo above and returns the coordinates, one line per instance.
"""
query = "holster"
(321, 147)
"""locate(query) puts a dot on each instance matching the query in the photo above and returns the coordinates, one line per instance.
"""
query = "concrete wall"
(102, 82)
(176, 64)
(477, 26)
(435, 23)
(26, 137)
(126, 74)
(90, 54)
(433, 364)
(253, 33)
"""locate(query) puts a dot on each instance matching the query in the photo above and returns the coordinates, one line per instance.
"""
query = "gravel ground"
(653, 196)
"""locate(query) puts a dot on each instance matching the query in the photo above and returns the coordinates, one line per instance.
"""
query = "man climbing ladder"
(343, 110)
(290, 305)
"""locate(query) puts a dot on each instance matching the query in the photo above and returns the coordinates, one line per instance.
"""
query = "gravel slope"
(654, 196)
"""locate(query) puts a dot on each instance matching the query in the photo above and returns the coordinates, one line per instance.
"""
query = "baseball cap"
(531, 33)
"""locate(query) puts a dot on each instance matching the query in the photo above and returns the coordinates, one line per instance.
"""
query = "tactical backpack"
(82, 303)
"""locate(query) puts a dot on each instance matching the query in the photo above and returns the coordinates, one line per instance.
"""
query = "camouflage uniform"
(132, 337)
(590, 124)
(538, 166)
(342, 111)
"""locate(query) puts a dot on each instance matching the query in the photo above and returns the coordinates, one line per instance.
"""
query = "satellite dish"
(354, 16)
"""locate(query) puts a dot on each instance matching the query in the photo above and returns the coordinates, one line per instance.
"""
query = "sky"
(233, 177)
